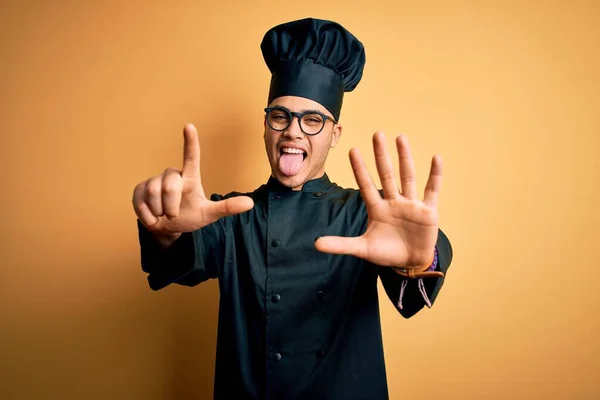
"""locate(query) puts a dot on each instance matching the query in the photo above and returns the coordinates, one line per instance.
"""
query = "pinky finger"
(146, 216)
(142, 210)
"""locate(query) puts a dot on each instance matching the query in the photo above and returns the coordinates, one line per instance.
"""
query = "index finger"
(191, 152)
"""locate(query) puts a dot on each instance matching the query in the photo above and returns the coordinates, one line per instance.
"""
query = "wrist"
(166, 241)
(425, 270)
(432, 264)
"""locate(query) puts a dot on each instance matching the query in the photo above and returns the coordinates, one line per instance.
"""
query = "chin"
(291, 181)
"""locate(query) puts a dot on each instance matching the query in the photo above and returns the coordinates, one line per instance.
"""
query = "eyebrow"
(310, 110)
(314, 111)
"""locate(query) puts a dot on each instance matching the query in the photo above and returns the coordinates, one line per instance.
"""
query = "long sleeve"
(192, 259)
(413, 300)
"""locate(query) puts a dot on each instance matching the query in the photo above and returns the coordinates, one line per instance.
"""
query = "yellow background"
(93, 98)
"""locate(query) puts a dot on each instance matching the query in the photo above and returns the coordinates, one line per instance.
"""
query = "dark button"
(317, 194)
(277, 195)
(320, 353)
(276, 356)
(275, 243)
(275, 298)
(321, 294)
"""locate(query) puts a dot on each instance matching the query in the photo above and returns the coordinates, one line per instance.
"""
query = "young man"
(298, 259)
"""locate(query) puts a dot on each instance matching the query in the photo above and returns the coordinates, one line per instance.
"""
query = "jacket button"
(277, 195)
(321, 294)
(276, 356)
(275, 298)
(320, 353)
(317, 194)
(275, 243)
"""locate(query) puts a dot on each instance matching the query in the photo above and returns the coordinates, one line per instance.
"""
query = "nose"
(293, 131)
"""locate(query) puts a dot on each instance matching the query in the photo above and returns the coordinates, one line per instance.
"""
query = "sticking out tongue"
(290, 164)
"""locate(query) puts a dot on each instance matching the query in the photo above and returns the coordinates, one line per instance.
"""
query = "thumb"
(354, 246)
(232, 206)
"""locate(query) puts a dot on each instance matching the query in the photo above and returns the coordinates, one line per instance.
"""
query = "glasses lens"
(278, 119)
(312, 123)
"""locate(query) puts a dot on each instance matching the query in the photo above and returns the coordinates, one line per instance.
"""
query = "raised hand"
(402, 230)
(174, 201)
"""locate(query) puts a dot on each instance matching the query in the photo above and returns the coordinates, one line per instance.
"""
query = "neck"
(302, 185)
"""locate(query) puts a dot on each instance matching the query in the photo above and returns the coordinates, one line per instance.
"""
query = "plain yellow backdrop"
(93, 98)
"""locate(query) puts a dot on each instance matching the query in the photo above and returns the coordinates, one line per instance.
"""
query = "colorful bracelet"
(433, 265)
(430, 272)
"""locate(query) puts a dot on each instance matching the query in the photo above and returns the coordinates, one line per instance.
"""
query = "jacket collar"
(314, 185)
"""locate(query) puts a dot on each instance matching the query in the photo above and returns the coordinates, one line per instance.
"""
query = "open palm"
(401, 230)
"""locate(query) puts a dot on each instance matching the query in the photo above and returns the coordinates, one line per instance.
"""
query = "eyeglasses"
(311, 122)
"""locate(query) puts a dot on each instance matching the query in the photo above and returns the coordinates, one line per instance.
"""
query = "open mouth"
(290, 160)
(292, 150)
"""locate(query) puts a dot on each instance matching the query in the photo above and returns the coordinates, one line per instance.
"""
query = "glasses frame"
(299, 116)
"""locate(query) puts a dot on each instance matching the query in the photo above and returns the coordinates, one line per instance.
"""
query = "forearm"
(165, 259)
(172, 260)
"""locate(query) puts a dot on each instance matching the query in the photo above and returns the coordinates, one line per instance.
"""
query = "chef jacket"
(294, 323)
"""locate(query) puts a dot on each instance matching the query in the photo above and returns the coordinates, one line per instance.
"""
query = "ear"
(336, 135)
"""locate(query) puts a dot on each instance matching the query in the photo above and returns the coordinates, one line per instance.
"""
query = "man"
(298, 259)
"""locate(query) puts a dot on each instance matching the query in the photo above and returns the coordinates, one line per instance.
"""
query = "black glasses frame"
(292, 114)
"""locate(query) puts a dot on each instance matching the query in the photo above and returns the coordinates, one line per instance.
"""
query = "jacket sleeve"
(413, 300)
(194, 258)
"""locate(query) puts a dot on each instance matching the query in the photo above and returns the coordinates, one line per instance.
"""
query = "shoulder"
(344, 198)
(256, 194)
(338, 192)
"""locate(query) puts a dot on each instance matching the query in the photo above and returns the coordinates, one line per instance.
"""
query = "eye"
(278, 116)
(312, 119)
